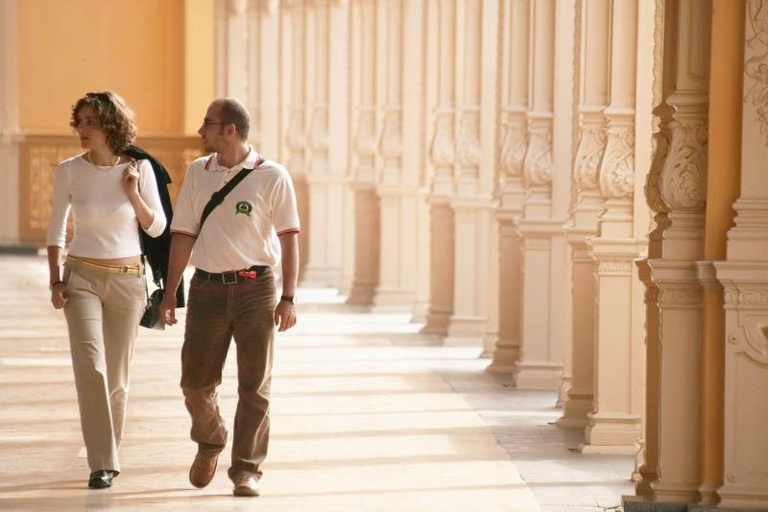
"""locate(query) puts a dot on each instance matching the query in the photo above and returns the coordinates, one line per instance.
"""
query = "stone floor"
(367, 415)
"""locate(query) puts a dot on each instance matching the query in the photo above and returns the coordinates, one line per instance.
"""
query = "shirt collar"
(249, 162)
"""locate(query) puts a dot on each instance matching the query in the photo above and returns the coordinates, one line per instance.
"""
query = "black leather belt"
(232, 276)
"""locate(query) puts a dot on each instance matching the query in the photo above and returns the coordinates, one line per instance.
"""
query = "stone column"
(366, 202)
(441, 50)
(296, 128)
(326, 163)
(744, 276)
(396, 187)
(10, 135)
(541, 364)
(471, 212)
(616, 423)
(677, 191)
(593, 93)
(513, 71)
(263, 89)
(234, 53)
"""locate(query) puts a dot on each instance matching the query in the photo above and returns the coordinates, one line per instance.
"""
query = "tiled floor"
(367, 415)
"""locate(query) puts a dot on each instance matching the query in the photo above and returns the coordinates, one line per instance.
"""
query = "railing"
(41, 153)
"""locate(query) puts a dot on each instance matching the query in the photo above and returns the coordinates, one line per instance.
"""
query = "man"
(232, 292)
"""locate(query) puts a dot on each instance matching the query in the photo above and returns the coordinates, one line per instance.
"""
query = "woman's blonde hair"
(114, 116)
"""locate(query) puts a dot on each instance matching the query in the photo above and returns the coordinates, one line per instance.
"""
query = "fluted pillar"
(365, 201)
(232, 49)
(472, 201)
(594, 25)
(541, 364)
(398, 177)
(327, 140)
(514, 38)
(10, 135)
(442, 150)
(263, 88)
(616, 422)
(744, 276)
(297, 118)
(677, 191)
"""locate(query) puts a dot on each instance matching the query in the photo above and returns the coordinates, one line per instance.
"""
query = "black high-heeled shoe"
(101, 479)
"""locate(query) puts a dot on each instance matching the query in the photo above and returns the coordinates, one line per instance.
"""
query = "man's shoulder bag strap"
(218, 197)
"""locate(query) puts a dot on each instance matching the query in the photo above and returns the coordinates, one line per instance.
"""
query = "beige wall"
(142, 49)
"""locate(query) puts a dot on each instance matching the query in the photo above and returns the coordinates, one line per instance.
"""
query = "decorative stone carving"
(442, 148)
(364, 141)
(295, 132)
(615, 267)
(590, 152)
(537, 169)
(753, 297)
(683, 176)
(756, 64)
(515, 144)
(318, 132)
(617, 173)
(677, 297)
(468, 146)
(391, 143)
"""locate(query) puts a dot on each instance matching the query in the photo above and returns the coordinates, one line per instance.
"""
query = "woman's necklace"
(90, 161)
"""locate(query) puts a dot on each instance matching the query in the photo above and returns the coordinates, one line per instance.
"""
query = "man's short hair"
(233, 111)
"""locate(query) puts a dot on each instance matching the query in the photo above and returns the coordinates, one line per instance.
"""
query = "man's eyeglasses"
(207, 123)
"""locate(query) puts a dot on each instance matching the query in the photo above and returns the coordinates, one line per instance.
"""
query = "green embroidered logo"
(244, 207)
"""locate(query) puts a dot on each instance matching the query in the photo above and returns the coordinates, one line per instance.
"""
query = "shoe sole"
(246, 493)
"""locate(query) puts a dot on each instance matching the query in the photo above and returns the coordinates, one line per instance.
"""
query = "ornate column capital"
(442, 149)
(537, 169)
(515, 143)
(617, 171)
(589, 155)
(468, 145)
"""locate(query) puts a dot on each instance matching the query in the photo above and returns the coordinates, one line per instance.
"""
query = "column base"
(321, 277)
(361, 294)
(437, 322)
(420, 310)
(675, 493)
(576, 411)
(392, 301)
(562, 394)
(532, 375)
(612, 433)
(710, 497)
(466, 331)
(643, 504)
(505, 358)
(742, 499)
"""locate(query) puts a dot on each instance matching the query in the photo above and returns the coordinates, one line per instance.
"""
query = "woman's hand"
(131, 180)
(59, 295)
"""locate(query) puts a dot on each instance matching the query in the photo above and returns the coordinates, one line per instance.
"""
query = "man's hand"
(285, 315)
(168, 309)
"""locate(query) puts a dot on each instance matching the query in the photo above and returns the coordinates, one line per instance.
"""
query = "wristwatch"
(287, 298)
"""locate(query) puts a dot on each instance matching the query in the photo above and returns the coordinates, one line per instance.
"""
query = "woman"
(102, 287)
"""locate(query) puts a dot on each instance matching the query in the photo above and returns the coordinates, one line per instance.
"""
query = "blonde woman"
(101, 285)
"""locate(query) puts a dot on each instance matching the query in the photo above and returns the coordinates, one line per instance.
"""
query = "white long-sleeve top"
(105, 223)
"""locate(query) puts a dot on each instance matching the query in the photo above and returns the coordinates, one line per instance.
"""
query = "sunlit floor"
(366, 415)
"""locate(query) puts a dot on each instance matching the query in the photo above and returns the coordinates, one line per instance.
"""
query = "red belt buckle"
(250, 274)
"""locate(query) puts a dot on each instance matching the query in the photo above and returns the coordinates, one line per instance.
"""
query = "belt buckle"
(124, 269)
(231, 273)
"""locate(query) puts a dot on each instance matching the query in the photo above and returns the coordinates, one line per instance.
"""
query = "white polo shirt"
(243, 230)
